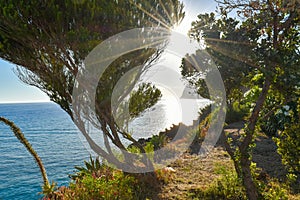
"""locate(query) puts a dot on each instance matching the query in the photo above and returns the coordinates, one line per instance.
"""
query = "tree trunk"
(245, 161)
(248, 182)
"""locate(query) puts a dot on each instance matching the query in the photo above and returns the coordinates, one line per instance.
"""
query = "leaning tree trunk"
(245, 161)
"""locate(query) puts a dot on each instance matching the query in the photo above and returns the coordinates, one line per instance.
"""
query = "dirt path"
(193, 172)
(265, 153)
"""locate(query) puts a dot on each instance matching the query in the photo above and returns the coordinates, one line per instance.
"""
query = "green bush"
(289, 147)
(288, 144)
(229, 187)
(117, 186)
(277, 121)
(236, 112)
(98, 182)
(273, 190)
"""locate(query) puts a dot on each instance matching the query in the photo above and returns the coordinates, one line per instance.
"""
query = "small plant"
(98, 181)
(93, 167)
(228, 186)
(165, 174)
(47, 188)
(118, 186)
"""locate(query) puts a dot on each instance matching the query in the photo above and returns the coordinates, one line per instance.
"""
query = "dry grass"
(194, 173)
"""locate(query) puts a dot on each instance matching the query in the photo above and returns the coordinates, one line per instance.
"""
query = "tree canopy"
(49, 41)
(257, 51)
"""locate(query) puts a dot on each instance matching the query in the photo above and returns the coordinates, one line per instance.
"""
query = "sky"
(12, 90)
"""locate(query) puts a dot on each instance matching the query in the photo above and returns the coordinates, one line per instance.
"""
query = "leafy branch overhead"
(49, 41)
(139, 99)
(257, 54)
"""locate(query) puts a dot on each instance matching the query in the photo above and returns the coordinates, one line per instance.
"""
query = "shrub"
(229, 187)
(236, 112)
(277, 121)
(288, 144)
(117, 186)
(98, 182)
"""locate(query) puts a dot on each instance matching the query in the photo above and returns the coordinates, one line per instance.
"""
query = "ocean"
(56, 140)
(54, 137)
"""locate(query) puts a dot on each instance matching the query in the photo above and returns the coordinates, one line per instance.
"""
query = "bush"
(277, 121)
(117, 186)
(236, 112)
(98, 182)
(289, 147)
(288, 144)
(229, 187)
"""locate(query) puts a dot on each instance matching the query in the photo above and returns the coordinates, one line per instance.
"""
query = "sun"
(184, 26)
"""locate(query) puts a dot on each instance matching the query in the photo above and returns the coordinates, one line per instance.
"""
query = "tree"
(262, 51)
(49, 41)
(221, 35)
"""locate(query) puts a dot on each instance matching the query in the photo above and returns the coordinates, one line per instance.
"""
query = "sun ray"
(150, 15)
(164, 8)
(233, 56)
(156, 41)
(229, 41)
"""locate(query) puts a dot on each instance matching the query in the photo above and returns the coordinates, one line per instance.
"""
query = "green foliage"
(51, 39)
(98, 181)
(116, 186)
(236, 112)
(228, 186)
(273, 190)
(48, 191)
(159, 141)
(93, 167)
(276, 122)
(269, 189)
(144, 97)
(220, 35)
(288, 144)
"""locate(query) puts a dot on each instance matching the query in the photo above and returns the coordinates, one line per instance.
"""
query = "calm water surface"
(57, 141)
(54, 137)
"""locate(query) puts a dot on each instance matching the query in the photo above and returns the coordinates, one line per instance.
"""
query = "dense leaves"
(49, 41)
(144, 97)
(258, 57)
(289, 146)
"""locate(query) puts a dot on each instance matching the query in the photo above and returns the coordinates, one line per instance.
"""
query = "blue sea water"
(56, 140)
(54, 137)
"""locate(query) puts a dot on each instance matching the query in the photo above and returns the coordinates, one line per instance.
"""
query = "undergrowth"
(228, 186)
